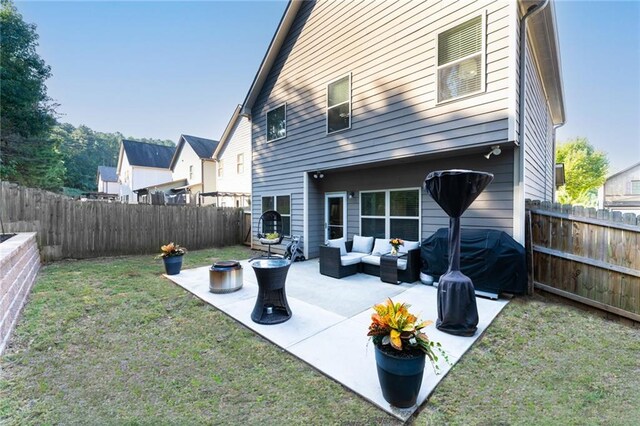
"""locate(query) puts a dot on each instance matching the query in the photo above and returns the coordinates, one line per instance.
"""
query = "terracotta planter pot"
(400, 377)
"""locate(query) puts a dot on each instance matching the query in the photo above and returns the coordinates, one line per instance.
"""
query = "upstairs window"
(240, 164)
(190, 173)
(635, 187)
(277, 123)
(339, 104)
(220, 168)
(461, 60)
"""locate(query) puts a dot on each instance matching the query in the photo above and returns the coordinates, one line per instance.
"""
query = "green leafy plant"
(272, 236)
(392, 324)
(170, 250)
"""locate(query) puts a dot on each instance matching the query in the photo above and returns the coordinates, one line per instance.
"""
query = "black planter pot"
(400, 377)
(172, 264)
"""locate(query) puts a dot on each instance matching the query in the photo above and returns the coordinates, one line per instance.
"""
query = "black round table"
(271, 304)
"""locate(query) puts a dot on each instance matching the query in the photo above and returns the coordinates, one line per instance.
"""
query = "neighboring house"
(141, 165)
(622, 190)
(174, 192)
(192, 161)
(230, 185)
(107, 180)
(356, 102)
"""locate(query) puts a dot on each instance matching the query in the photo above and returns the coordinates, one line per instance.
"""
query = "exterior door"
(335, 215)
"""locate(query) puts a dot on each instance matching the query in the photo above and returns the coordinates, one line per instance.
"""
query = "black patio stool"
(271, 304)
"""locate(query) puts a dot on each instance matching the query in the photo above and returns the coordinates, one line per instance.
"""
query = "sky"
(158, 69)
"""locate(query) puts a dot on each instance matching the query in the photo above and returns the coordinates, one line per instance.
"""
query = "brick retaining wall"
(19, 265)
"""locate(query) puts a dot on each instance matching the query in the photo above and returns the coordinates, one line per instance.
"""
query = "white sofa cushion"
(351, 258)
(362, 244)
(381, 246)
(340, 243)
(409, 245)
(371, 260)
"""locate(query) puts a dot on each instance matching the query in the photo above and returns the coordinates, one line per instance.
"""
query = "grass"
(110, 341)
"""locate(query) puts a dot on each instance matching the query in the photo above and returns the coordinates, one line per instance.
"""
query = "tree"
(585, 171)
(27, 154)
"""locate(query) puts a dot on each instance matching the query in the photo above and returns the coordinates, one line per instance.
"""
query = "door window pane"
(336, 232)
(336, 212)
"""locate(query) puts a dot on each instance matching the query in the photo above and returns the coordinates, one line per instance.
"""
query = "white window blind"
(460, 60)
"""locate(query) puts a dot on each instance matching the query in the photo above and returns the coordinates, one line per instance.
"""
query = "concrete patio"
(330, 321)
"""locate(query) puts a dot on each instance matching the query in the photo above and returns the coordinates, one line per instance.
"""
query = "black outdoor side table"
(389, 267)
(271, 304)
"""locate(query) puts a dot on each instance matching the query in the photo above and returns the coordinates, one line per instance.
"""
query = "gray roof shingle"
(147, 154)
(203, 147)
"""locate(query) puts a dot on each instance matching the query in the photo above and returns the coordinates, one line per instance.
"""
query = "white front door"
(335, 215)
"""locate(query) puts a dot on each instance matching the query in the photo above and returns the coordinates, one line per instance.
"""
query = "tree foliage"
(585, 171)
(27, 154)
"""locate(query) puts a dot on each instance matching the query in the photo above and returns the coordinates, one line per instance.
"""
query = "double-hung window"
(635, 187)
(190, 173)
(391, 213)
(281, 204)
(277, 123)
(220, 168)
(240, 164)
(461, 60)
(339, 104)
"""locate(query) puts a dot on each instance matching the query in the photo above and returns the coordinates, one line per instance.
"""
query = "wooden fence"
(588, 255)
(69, 228)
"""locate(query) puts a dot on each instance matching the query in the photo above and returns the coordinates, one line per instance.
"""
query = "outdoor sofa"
(340, 258)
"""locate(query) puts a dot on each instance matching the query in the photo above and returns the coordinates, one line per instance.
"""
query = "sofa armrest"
(413, 264)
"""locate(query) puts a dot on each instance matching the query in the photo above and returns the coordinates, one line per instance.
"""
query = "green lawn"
(111, 341)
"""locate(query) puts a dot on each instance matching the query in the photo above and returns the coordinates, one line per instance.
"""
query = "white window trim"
(326, 113)
(275, 207)
(483, 59)
(220, 171)
(387, 210)
(266, 122)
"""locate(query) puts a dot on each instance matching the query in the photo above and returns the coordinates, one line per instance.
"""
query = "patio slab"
(329, 323)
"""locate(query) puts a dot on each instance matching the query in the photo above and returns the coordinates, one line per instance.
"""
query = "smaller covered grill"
(225, 276)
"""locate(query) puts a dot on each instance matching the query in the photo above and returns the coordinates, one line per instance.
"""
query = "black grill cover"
(493, 260)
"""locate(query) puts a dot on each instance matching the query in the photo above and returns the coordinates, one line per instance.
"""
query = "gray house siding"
(539, 138)
(394, 113)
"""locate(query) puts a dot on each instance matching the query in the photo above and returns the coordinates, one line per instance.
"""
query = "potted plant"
(395, 245)
(401, 350)
(172, 256)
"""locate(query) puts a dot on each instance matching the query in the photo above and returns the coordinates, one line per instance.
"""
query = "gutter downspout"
(519, 231)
